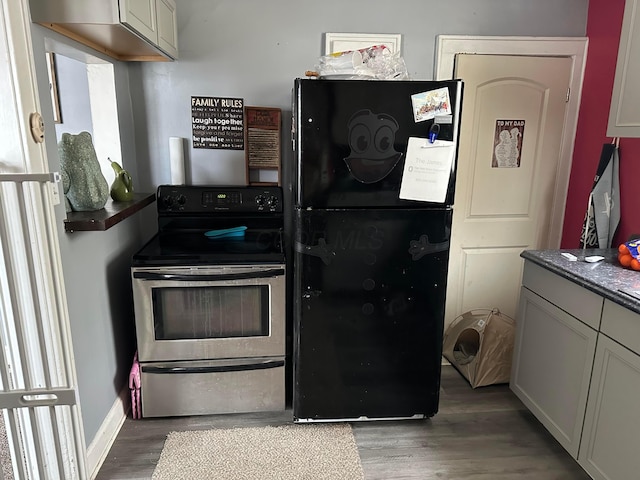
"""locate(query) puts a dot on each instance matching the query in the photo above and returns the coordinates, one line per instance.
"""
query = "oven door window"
(211, 312)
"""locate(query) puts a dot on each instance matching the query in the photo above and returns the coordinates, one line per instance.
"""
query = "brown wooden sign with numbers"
(263, 127)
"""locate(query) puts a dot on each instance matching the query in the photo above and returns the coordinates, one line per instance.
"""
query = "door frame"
(39, 399)
(448, 46)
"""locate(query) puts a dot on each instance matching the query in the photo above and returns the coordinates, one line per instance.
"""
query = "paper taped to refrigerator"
(427, 170)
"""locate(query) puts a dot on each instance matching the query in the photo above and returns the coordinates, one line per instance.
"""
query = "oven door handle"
(214, 368)
(274, 272)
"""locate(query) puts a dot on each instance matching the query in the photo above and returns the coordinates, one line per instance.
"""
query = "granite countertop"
(606, 277)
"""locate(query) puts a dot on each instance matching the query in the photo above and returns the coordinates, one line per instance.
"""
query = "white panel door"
(511, 131)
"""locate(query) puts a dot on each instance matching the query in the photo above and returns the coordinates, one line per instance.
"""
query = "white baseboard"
(102, 442)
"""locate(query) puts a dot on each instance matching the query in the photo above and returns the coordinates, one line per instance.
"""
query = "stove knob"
(272, 201)
(182, 200)
(167, 202)
(260, 201)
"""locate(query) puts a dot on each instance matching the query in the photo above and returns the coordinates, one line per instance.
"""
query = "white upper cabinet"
(141, 16)
(167, 26)
(624, 115)
(127, 30)
(154, 20)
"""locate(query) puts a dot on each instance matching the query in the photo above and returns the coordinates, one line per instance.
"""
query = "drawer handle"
(275, 272)
(213, 368)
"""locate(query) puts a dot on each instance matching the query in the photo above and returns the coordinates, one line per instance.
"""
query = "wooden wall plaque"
(263, 127)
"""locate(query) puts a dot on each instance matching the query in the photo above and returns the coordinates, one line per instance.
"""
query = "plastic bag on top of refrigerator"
(374, 63)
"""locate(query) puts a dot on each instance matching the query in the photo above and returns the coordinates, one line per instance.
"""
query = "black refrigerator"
(369, 267)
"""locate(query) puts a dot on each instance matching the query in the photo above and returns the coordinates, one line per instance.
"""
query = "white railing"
(38, 391)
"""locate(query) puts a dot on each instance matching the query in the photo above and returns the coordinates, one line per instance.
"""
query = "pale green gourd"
(85, 188)
(122, 186)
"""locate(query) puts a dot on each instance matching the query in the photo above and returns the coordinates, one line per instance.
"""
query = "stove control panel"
(202, 199)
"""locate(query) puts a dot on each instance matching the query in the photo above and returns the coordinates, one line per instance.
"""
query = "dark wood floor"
(482, 434)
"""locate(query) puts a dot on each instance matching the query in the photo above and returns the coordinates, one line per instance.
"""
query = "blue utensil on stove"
(226, 232)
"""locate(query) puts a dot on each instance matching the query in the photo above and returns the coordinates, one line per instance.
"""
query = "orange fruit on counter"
(623, 249)
(625, 260)
(635, 264)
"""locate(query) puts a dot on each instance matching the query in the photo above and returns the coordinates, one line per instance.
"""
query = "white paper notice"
(427, 170)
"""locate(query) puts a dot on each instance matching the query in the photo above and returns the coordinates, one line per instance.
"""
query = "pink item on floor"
(134, 386)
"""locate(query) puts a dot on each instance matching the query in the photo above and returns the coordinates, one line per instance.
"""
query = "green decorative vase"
(85, 188)
(122, 186)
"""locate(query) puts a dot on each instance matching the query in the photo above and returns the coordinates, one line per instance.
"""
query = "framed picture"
(53, 87)
(342, 42)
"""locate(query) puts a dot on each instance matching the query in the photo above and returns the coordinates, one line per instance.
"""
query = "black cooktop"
(194, 248)
(187, 213)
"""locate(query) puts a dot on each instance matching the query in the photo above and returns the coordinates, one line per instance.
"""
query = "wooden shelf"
(107, 217)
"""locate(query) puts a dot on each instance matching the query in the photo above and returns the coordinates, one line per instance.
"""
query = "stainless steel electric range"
(209, 299)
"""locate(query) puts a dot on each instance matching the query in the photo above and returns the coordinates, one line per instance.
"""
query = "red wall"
(603, 29)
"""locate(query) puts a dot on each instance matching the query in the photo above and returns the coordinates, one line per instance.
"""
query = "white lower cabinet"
(576, 366)
(610, 447)
(552, 367)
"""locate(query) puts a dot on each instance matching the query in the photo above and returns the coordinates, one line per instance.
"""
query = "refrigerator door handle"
(323, 251)
(422, 247)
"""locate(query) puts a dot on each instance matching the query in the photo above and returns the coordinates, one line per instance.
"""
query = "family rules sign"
(217, 122)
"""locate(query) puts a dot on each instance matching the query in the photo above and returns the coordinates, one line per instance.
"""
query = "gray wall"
(252, 49)
(96, 265)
